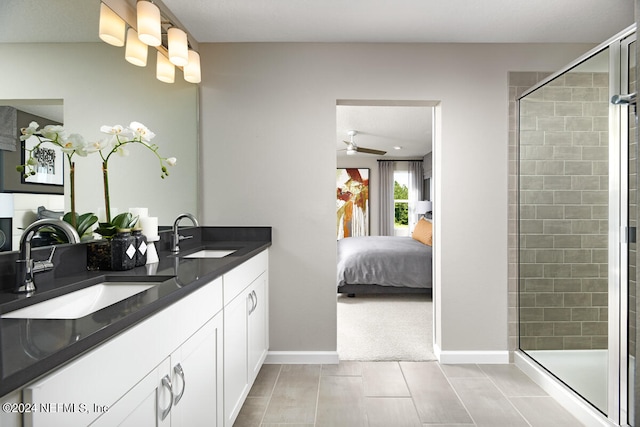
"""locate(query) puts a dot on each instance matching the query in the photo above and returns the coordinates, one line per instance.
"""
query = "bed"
(383, 264)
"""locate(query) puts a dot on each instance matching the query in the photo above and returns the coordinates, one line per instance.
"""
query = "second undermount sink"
(210, 253)
(82, 302)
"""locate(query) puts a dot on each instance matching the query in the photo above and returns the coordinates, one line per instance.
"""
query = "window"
(401, 202)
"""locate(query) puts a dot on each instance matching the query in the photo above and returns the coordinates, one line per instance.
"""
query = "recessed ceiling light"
(397, 147)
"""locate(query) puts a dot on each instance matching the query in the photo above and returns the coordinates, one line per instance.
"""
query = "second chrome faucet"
(175, 235)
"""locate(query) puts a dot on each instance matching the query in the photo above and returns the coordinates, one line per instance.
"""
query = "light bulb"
(111, 28)
(136, 51)
(165, 70)
(192, 69)
(178, 46)
(149, 26)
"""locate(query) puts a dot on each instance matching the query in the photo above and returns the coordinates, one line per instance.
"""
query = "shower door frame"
(617, 381)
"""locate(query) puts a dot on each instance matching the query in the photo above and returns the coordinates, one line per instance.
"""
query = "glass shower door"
(630, 123)
(564, 228)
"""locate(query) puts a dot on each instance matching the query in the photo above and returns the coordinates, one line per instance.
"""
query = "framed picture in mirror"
(49, 167)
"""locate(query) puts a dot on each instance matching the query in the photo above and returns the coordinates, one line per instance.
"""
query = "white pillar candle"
(139, 212)
(149, 225)
(6, 205)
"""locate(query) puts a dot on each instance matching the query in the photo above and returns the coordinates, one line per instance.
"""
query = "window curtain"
(387, 215)
(416, 177)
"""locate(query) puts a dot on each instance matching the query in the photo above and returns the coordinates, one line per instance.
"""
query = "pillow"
(423, 232)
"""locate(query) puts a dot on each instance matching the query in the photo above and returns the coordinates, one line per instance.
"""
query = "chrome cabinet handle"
(250, 303)
(166, 383)
(178, 370)
(254, 301)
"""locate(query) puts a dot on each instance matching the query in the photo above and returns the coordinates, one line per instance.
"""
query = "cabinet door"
(258, 333)
(144, 405)
(196, 370)
(235, 355)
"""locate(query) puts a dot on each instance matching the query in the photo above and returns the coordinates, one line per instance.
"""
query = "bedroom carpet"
(385, 327)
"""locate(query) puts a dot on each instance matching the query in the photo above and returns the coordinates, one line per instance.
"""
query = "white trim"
(468, 357)
(577, 406)
(302, 358)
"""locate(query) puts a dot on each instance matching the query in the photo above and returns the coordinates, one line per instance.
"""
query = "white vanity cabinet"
(191, 363)
(10, 416)
(136, 377)
(246, 331)
(182, 391)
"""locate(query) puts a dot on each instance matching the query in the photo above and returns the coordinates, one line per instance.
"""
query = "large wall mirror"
(52, 52)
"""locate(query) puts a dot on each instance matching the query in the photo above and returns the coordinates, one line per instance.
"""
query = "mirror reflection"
(75, 79)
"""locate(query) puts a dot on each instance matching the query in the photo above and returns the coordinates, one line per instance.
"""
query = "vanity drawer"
(240, 277)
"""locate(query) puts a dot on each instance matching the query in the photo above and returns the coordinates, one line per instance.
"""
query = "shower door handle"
(631, 234)
(628, 99)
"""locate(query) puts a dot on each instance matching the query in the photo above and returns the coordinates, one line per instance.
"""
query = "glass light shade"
(178, 46)
(149, 27)
(111, 28)
(136, 51)
(165, 70)
(192, 69)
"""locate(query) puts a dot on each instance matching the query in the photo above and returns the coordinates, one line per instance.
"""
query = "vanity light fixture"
(111, 27)
(178, 46)
(136, 51)
(165, 70)
(192, 69)
(149, 24)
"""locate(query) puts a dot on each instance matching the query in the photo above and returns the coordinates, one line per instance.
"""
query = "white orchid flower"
(74, 143)
(96, 146)
(111, 130)
(141, 131)
(28, 131)
(53, 131)
(123, 152)
(171, 161)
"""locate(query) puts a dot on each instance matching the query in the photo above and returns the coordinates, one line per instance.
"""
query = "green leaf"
(85, 222)
(106, 229)
(124, 220)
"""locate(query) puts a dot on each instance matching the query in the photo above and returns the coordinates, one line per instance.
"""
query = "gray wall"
(268, 136)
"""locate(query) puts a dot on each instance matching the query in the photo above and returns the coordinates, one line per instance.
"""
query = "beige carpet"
(385, 327)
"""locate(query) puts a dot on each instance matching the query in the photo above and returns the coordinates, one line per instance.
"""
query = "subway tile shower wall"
(563, 214)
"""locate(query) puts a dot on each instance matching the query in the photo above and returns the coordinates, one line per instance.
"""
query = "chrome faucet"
(176, 237)
(27, 267)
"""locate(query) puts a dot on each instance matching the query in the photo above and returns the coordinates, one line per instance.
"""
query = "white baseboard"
(302, 358)
(471, 357)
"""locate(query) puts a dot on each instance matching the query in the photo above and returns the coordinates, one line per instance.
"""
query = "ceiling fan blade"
(370, 151)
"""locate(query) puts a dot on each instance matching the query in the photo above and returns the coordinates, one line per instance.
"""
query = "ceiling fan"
(352, 148)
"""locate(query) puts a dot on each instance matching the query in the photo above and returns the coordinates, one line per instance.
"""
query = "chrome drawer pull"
(178, 370)
(166, 383)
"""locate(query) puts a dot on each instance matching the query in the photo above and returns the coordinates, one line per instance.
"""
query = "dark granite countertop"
(30, 348)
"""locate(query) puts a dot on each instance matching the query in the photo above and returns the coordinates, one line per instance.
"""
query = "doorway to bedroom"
(384, 189)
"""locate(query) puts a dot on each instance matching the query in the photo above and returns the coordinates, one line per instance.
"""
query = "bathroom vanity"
(186, 348)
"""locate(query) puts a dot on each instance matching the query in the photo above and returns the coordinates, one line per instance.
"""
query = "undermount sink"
(210, 253)
(82, 302)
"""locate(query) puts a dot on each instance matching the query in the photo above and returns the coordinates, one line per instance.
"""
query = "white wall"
(268, 134)
(100, 88)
